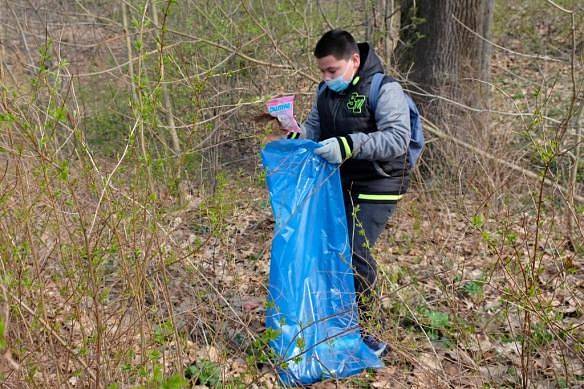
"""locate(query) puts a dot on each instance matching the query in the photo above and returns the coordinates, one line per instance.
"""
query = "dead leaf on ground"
(429, 361)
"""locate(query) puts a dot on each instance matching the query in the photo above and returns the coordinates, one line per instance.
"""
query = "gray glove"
(335, 150)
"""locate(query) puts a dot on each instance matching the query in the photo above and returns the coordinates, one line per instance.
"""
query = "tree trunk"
(445, 52)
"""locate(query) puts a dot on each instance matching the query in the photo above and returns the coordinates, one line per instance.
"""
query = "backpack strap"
(375, 87)
(374, 90)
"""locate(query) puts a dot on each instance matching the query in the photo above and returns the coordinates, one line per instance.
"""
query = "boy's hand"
(334, 150)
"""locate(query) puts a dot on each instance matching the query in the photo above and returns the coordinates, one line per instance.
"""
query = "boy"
(370, 146)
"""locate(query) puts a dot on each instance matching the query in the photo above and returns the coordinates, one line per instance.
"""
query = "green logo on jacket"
(356, 102)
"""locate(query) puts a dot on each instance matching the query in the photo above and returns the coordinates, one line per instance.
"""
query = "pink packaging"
(282, 108)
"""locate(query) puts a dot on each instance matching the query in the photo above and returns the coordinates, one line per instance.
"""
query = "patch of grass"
(204, 372)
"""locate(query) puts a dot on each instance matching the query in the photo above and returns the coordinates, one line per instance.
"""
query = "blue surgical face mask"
(338, 84)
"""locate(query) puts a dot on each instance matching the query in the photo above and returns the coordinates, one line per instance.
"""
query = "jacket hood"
(370, 62)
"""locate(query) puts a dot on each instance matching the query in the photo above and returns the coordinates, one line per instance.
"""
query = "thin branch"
(433, 129)
(533, 56)
(51, 331)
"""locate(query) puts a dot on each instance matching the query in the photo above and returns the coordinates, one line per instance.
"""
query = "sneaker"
(381, 349)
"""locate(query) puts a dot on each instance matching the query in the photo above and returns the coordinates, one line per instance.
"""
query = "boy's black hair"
(338, 43)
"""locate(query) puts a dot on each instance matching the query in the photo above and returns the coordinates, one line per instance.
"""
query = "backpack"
(417, 132)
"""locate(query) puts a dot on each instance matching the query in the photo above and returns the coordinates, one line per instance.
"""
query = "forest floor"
(480, 283)
(450, 286)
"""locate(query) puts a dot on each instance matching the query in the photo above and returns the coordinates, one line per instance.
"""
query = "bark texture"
(444, 50)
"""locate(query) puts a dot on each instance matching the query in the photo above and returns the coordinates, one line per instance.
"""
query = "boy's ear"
(357, 59)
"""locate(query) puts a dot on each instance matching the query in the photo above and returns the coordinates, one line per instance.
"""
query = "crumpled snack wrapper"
(282, 108)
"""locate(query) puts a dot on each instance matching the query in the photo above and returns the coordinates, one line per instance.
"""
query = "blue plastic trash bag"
(311, 301)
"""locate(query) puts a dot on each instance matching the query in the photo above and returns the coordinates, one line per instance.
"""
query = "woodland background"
(135, 226)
